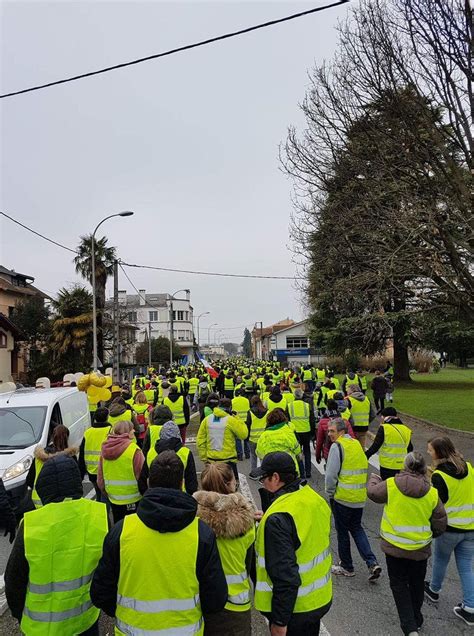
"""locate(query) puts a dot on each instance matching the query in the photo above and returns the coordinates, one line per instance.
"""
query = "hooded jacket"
(112, 448)
(412, 485)
(116, 409)
(360, 397)
(43, 454)
(379, 386)
(229, 516)
(163, 510)
(234, 429)
(190, 476)
(57, 480)
(159, 416)
(174, 397)
(323, 443)
(443, 491)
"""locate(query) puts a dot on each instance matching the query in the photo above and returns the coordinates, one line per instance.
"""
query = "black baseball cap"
(389, 411)
(276, 462)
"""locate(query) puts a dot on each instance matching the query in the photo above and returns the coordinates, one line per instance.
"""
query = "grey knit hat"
(169, 431)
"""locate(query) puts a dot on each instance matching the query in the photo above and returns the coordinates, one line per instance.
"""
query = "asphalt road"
(359, 607)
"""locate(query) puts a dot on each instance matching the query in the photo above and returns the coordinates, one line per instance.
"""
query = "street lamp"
(209, 332)
(205, 313)
(171, 298)
(94, 304)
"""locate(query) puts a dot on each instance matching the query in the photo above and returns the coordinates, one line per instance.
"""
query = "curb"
(438, 427)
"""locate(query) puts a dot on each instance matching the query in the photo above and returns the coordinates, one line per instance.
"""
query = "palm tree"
(104, 267)
(71, 339)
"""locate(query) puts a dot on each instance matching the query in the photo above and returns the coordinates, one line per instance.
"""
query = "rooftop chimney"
(122, 297)
(142, 297)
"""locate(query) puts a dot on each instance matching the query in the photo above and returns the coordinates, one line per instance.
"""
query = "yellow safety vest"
(233, 553)
(270, 404)
(34, 495)
(299, 416)
(241, 406)
(352, 381)
(63, 544)
(283, 439)
(406, 520)
(155, 431)
(312, 518)
(460, 504)
(93, 440)
(229, 384)
(352, 481)
(360, 411)
(119, 477)
(393, 451)
(125, 417)
(193, 385)
(177, 408)
(288, 397)
(149, 599)
(150, 396)
(321, 375)
(257, 426)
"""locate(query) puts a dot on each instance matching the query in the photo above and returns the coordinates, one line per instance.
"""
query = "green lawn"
(445, 398)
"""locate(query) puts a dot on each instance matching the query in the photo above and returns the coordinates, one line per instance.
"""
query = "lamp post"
(94, 304)
(205, 313)
(171, 298)
(209, 332)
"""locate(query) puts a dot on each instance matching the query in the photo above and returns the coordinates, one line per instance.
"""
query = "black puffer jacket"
(58, 479)
(163, 510)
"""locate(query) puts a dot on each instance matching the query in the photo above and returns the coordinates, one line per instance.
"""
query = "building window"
(296, 342)
(180, 334)
(186, 316)
(132, 316)
(3, 340)
(153, 316)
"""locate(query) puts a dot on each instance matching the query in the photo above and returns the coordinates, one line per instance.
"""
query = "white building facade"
(151, 313)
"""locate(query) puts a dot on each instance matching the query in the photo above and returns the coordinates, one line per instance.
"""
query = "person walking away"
(351, 379)
(390, 388)
(412, 516)
(202, 394)
(293, 587)
(362, 413)
(170, 439)
(180, 408)
(217, 434)
(362, 374)
(156, 418)
(302, 418)
(346, 486)
(453, 478)
(256, 424)
(279, 435)
(57, 548)
(141, 408)
(379, 388)
(241, 407)
(275, 400)
(89, 452)
(229, 385)
(167, 532)
(232, 518)
(58, 446)
(323, 442)
(120, 466)
(392, 442)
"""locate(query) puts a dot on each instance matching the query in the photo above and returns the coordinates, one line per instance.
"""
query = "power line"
(179, 49)
(37, 233)
(139, 294)
(201, 273)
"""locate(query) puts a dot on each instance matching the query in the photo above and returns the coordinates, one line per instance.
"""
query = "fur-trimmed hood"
(230, 516)
(43, 454)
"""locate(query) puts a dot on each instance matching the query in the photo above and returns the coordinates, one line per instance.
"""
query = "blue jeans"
(246, 450)
(349, 520)
(462, 544)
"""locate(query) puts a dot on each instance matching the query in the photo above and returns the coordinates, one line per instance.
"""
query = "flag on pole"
(212, 372)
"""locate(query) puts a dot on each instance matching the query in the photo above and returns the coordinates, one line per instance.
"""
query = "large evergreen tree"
(247, 344)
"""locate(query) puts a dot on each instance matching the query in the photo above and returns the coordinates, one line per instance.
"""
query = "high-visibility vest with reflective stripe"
(257, 426)
(352, 480)
(155, 431)
(360, 411)
(177, 408)
(183, 454)
(312, 518)
(119, 477)
(363, 382)
(149, 599)
(299, 416)
(63, 544)
(282, 439)
(150, 396)
(233, 553)
(406, 521)
(321, 375)
(270, 404)
(288, 397)
(229, 384)
(93, 440)
(34, 495)
(460, 504)
(307, 375)
(193, 385)
(352, 381)
(126, 416)
(393, 451)
(241, 406)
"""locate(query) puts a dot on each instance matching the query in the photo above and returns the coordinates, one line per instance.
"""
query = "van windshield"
(21, 426)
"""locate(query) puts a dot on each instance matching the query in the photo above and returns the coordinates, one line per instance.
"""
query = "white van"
(27, 418)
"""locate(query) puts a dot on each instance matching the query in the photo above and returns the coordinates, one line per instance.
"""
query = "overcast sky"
(189, 143)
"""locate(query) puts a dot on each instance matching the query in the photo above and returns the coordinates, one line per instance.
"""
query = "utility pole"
(171, 331)
(149, 344)
(116, 340)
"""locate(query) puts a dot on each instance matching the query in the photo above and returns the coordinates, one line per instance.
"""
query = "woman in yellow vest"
(156, 418)
(170, 439)
(141, 408)
(179, 406)
(120, 466)
(412, 516)
(453, 478)
(279, 435)
(232, 517)
(392, 442)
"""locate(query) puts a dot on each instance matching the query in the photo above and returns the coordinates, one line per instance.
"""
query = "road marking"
(374, 461)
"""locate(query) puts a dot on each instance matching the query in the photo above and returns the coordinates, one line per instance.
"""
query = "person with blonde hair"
(232, 518)
(120, 466)
(453, 478)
